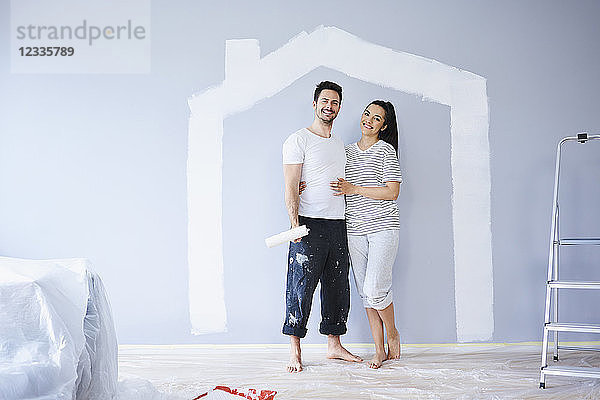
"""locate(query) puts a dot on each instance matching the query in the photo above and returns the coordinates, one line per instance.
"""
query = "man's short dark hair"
(328, 85)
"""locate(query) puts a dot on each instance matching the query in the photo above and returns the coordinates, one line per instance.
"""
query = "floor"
(424, 372)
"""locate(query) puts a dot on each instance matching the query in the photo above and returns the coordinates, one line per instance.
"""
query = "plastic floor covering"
(434, 372)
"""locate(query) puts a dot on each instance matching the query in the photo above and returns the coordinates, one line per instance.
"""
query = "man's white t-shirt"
(323, 161)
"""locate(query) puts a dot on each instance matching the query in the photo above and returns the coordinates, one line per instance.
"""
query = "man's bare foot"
(335, 350)
(295, 364)
(393, 345)
(377, 360)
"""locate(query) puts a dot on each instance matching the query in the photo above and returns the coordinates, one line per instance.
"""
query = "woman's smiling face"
(372, 120)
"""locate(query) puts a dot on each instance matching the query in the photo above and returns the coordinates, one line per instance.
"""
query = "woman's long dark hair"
(390, 133)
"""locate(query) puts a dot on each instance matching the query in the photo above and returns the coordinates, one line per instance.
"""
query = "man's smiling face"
(327, 106)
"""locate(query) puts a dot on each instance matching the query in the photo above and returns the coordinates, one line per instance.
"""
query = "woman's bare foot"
(393, 345)
(335, 350)
(377, 360)
(295, 364)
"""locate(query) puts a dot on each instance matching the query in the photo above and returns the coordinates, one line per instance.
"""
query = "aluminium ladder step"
(578, 348)
(581, 328)
(574, 284)
(585, 372)
(578, 241)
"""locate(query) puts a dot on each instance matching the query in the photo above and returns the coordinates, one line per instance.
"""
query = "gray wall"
(95, 165)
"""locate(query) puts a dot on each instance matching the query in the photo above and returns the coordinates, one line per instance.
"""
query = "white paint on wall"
(249, 79)
(205, 251)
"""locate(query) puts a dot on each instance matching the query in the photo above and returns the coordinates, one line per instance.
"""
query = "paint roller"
(286, 236)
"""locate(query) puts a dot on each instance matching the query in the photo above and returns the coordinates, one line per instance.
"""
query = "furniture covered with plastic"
(57, 337)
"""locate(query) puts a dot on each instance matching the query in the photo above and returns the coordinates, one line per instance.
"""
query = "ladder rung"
(572, 371)
(574, 285)
(579, 348)
(582, 328)
(578, 241)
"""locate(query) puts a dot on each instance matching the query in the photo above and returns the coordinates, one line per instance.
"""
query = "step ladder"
(551, 323)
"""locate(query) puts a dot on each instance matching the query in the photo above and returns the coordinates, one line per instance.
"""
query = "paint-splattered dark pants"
(322, 256)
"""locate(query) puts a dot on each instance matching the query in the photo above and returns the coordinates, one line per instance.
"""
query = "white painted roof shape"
(249, 79)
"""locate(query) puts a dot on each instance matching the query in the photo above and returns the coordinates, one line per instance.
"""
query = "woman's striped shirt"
(371, 168)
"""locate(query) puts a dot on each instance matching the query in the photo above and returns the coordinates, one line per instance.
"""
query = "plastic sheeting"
(57, 337)
(435, 372)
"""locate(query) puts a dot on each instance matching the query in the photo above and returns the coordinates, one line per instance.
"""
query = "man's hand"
(296, 240)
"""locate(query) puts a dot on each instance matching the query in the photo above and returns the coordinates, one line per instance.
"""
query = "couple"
(363, 228)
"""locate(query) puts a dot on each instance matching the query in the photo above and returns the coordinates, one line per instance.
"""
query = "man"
(317, 157)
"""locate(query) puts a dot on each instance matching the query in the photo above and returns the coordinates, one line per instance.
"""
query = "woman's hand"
(301, 187)
(342, 186)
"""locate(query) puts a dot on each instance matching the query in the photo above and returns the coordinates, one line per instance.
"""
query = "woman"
(371, 187)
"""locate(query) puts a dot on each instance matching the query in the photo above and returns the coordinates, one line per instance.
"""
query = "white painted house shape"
(249, 79)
